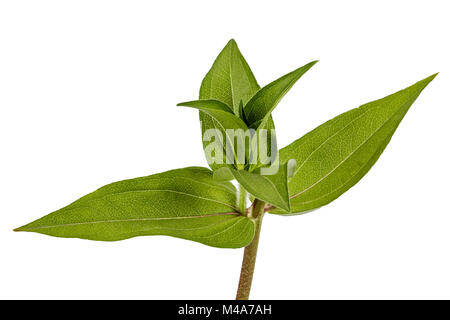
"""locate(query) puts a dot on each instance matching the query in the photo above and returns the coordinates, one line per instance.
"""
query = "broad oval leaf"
(266, 99)
(185, 203)
(336, 155)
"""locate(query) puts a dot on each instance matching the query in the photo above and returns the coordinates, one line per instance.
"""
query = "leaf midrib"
(133, 220)
(329, 138)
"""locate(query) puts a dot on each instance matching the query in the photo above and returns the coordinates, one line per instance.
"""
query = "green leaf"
(185, 203)
(207, 105)
(223, 174)
(336, 155)
(229, 80)
(227, 126)
(272, 188)
(257, 113)
(265, 100)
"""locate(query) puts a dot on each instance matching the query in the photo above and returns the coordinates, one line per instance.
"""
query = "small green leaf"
(223, 174)
(228, 126)
(272, 188)
(207, 105)
(257, 113)
(336, 155)
(229, 80)
(185, 203)
(265, 100)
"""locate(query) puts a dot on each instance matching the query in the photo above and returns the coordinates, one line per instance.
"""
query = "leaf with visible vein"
(229, 80)
(185, 203)
(336, 155)
(257, 113)
(261, 105)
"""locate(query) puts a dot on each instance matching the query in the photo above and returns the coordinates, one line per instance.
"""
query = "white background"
(87, 95)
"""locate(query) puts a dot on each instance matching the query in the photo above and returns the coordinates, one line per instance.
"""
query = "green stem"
(242, 199)
(250, 251)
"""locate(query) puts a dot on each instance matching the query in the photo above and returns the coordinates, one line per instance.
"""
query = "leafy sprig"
(202, 205)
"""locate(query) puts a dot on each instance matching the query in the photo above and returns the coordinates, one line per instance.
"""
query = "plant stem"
(242, 199)
(250, 251)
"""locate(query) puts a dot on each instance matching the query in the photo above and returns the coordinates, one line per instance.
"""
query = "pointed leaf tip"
(201, 209)
(18, 229)
(427, 80)
(430, 78)
(207, 104)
